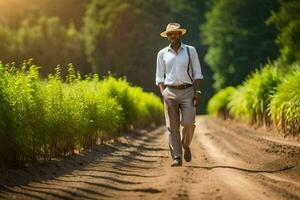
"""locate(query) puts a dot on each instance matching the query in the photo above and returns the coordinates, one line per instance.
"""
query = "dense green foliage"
(217, 105)
(267, 97)
(238, 39)
(123, 37)
(251, 99)
(287, 21)
(53, 117)
(285, 104)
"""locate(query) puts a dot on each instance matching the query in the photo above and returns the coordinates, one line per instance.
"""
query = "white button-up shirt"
(174, 66)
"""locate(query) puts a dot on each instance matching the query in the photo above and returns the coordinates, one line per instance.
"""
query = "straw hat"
(173, 27)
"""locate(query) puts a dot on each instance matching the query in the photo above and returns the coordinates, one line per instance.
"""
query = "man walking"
(178, 75)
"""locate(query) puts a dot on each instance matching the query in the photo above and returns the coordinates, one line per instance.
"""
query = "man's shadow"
(241, 169)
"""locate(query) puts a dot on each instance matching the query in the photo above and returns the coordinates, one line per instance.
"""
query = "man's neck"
(176, 46)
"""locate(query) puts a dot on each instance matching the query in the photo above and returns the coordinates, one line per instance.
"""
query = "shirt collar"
(182, 46)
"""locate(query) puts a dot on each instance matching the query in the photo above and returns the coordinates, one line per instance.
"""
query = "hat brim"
(164, 34)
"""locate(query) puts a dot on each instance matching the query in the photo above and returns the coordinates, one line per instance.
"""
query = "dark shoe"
(176, 162)
(187, 154)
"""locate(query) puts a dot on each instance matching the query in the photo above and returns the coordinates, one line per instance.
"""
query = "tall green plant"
(251, 100)
(24, 96)
(7, 135)
(285, 104)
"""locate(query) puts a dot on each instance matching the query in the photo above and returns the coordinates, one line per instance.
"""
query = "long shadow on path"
(242, 169)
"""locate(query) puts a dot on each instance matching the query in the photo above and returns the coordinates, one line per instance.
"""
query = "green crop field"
(53, 117)
(266, 97)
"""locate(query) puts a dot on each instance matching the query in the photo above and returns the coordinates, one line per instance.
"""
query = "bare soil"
(229, 161)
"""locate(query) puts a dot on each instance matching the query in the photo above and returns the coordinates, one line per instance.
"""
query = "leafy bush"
(264, 98)
(251, 99)
(217, 105)
(119, 89)
(24, 97)
(138, 107)
(7, 136)
(285, 104)
(148, 107)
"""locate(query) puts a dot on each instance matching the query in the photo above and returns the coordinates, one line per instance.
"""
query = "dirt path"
(229, 161)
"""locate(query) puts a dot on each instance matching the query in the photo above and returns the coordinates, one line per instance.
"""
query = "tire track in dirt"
(228, 145)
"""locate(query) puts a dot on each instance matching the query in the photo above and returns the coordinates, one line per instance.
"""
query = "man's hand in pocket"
(196, 99)
(162, 87)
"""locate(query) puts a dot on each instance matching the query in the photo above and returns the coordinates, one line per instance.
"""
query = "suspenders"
(188, 67)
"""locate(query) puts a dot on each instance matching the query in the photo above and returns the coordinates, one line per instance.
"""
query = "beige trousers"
(179, 109)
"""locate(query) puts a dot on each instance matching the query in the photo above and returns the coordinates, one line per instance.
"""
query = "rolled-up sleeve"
(160, 68)
(197, 72)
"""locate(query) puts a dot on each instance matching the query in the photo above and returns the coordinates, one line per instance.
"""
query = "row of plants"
(53, 117)
(267, 97)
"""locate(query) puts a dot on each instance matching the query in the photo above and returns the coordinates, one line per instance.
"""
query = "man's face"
(174, 37)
